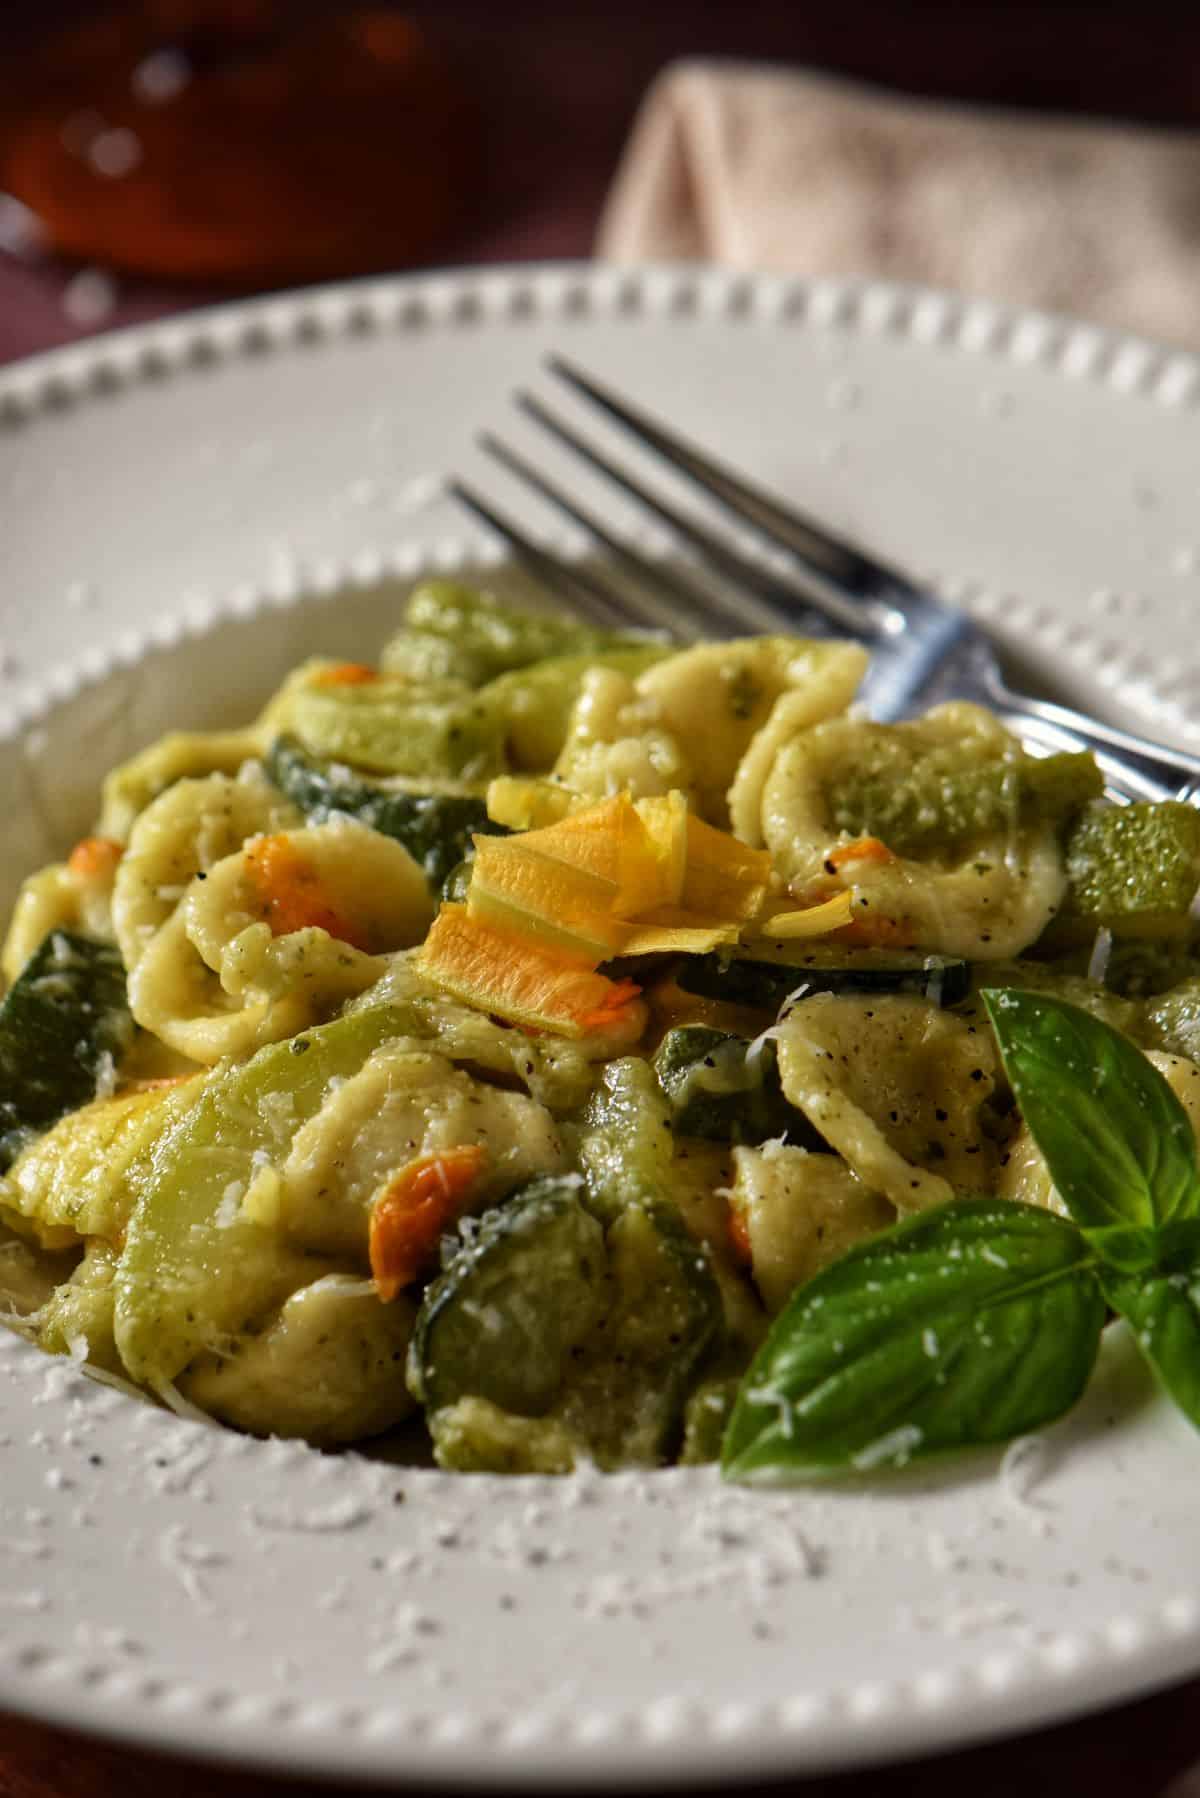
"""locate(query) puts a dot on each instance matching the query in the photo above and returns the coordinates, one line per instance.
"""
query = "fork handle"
(1134, 767)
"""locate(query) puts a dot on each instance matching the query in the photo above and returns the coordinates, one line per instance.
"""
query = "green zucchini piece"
(1172, 1021)
(429, 730)
(1144, 967)
(628, 1145)
(64, 1027)
(422, 656)
(1133, 869)
(705, 1418)
(458, 632)
(533, 705)
(540, 1315)
(519, 1294)
(716, 1093)
(625, 1396)
(474, 1436)
(765, 985)
(80, 1312)
(928, 802)
(435, 828)
(84, 1174)
(196, 1270)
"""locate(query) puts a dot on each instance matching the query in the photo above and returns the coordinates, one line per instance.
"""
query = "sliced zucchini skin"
(1172, 1020)
(1134, 869)
(435, 828)
(540, 1316)
(187, 1277)
(65, 1017)
(457, 632)
(628, 1145)
(706, 1416)
(521, 1289)
(930, 806)
(767, 984)
(625, 1400)
(717, 1095)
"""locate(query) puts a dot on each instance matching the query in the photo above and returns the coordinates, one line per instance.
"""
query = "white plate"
(173, 1584)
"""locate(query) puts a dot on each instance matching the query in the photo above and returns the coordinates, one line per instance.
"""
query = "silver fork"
(923, 651)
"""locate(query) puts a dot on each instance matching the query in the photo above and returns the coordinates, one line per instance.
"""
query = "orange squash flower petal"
(95, 857)
(413, 1210)
(291, 893)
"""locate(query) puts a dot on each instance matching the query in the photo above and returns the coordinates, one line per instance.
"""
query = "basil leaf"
(1116, 1140)
(971, 1323)
(1178, 1246)
(1165, 1313)
(1126, 1248)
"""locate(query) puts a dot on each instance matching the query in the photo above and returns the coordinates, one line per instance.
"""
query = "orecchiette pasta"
(986, 897)
(617, 740)
(215, 979)
(898, 1088)
(509, 1030)
(184, 832)
(327, 1367)
(800, 1212)
(717, 697)
(824, 677)
(61, 897)
(405, 1102)
(181, 755)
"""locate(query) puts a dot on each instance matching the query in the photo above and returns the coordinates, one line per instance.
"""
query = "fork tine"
(592, 596)
(701, 608)
(812, 543)
(926, 633)
(813, 588)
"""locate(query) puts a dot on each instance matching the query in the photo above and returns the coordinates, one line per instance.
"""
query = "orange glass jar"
(251, 142)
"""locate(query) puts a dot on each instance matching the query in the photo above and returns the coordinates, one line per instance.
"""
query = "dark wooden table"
(558, 90)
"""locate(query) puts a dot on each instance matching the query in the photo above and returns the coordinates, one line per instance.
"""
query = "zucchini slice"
(1133, 869)
(456, 632)
(64, 1026)
(436, 828)
(542, 1318)
(624, 1400)
(924, 798)
(718, 1093)
(517, 1298)
(765, 985)
(1172, 1020)
(430, 730)
(198, 1267)
(706, 1416)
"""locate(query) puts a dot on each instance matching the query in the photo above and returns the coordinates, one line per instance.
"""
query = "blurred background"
(158, 154)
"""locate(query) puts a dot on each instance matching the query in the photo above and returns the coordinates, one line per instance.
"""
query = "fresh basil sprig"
(974, 1322)
(980, 1320)
(1121, 1151)
(1118, 1143)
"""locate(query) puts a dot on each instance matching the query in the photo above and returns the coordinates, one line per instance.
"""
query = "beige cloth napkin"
(766, 168)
